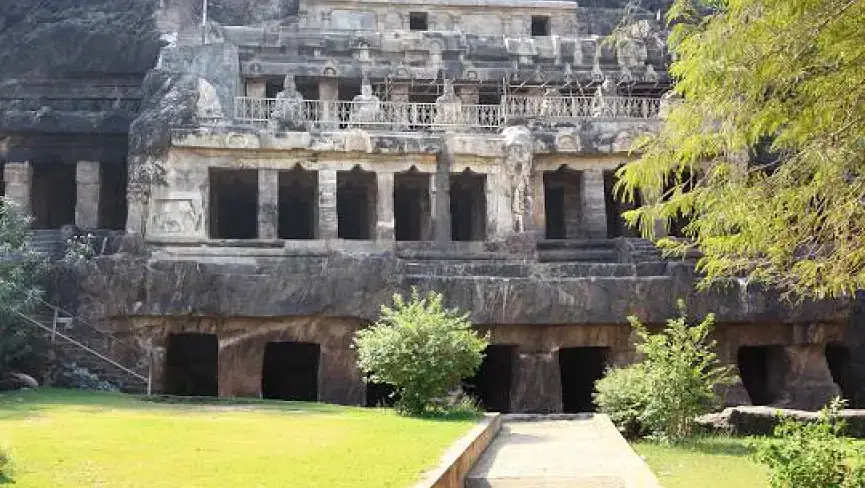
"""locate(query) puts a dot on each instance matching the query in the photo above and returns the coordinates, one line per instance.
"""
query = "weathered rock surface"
(754, 420)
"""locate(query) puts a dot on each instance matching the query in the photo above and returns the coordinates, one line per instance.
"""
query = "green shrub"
(420, 348)
(6, 464)
(622, 394)
(672, 385)
(814, 454)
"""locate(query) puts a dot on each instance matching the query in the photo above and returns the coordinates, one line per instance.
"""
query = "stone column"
(384, 228)
(339, 379)
(400, 94)
(328, 91)
(594, 204)
(18, 178)
(239, 370)
(268, 203)
(256, 88)
(807, 382)
(537, 385)
(440, 201)
(327, 221)
(87, 181)
(537, 206)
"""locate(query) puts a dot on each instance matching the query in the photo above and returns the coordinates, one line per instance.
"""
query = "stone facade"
(291, 166)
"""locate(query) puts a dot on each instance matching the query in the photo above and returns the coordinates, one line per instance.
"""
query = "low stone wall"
(462, 456)
(756, 420)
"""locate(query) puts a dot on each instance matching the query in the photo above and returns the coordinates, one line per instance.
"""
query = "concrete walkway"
(584, 451)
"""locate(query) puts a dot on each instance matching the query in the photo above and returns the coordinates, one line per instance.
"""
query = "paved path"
(584, 451)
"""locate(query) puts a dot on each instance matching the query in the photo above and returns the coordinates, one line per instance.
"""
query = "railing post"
(149, 371)
(54, 327)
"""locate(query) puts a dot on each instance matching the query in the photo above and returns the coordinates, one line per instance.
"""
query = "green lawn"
(708, 462)
(62, 438)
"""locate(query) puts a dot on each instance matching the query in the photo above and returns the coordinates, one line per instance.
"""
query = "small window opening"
(417, 21)
(540, 25)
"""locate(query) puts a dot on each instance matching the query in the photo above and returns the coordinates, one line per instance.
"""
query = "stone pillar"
(328, 91)
(327, 221)
(268, 203)
(18, 178)
(807, 382)
(256, 88)
(594, 204)
(537, 206)
(87, 181)
(384, 228)
(440, 200)
(339, 379)
(400, 94)
(537, 385)
(240, 364)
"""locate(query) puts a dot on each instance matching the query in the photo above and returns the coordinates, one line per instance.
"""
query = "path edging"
(459, 459)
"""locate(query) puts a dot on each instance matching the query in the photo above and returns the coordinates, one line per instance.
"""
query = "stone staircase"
(48, 242)
(642, 250)
(100, 353)
(578, 250)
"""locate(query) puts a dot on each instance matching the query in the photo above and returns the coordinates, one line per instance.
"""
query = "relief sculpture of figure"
(449, 107)
(366, 107)
(602, 102)
(519, 163)
(288, 107)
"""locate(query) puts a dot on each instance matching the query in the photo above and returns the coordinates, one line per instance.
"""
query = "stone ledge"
(462, 456)
(761, 420)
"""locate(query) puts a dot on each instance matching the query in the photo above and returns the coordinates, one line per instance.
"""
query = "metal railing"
(63, 321)
(388, 115)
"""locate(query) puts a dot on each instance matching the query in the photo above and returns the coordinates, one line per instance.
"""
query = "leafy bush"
(814, 454)
(75, 376)
(420, 348)
(671, 386)
(7, 465)
(623, 395)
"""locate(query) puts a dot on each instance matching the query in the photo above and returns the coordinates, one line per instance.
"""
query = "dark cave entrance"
(53, 195)
(761, 369)
(562, 204)
(112, 195)
(491, 385)
(379, 395)
(580, 368)
(192, 365)
(411, 206)
(298, 204)
(355, 204)
(290, 371)
(233, 203)
(839, 359)
(468, 207)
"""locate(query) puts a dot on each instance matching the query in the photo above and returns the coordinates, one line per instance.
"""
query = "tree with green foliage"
(814, 454)
(20, 270)
(672, 384)
(420, 348)
(763, 151)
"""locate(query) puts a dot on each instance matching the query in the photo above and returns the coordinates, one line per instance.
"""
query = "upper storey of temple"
(530, 42)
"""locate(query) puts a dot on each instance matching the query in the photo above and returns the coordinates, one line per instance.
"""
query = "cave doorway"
(192, 365)
(616, 224)
(580, 368)
(491, 385)
(356, 204)
(112, 195)
(53, 195)
(290, 371)
(298, 204)
(761, 369)
(379, 395)
(562, 204)
(411, 206)
(839, 359)
(468, 206)
(233, 203)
